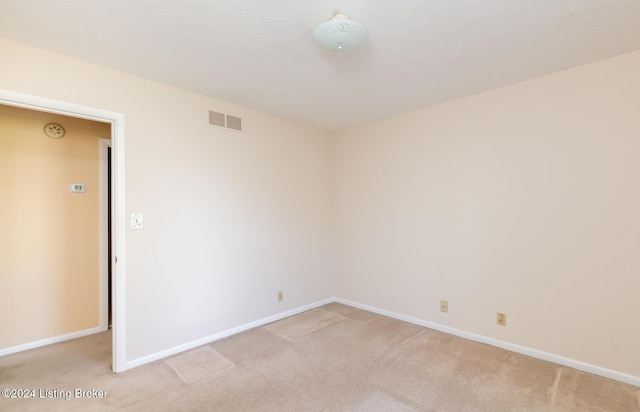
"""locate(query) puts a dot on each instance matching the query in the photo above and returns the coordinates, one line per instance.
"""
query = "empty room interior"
(330, 205)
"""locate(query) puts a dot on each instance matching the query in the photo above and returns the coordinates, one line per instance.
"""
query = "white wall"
(522, 200)
(230, 218)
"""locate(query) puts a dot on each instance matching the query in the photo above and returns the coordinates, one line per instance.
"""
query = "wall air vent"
(234, 123)
(216, 119)
(225, 120)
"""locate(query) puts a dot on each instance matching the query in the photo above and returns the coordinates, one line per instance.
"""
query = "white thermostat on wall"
(78, 188)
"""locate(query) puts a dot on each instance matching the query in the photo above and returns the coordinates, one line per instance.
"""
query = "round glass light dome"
(340, 34)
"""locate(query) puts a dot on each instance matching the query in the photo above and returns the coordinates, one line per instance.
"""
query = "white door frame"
(118, 222)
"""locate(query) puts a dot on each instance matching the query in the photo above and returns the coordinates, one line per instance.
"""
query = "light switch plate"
(136, 221)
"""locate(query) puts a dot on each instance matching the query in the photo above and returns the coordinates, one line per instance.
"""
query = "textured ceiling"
(260, 54)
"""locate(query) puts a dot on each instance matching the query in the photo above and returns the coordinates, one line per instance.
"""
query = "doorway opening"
(114, 247)
(106, 238)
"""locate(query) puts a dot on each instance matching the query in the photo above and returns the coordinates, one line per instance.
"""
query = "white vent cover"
(216, 119)
(234, 123)
(225, 120)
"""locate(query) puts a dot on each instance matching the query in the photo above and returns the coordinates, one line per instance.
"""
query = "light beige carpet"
(199, 363)
(305, 323)
(355, 361)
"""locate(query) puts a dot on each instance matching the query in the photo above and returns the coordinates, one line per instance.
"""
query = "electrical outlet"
(501, 319)
(444, 306)
(280, 296)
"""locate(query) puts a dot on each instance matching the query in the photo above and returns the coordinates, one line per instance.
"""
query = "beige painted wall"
(49, 240)
(230, 218)
(523, 200)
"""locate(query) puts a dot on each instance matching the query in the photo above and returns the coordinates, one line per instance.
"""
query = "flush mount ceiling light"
(340, 34)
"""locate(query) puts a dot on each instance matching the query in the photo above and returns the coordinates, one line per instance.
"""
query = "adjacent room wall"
(49, 242)
(230, 218)
(522, 200)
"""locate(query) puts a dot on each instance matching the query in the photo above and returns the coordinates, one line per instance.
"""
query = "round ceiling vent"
(54, 130)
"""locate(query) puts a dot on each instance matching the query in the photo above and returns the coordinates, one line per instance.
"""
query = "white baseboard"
(224, 334)
(49, 341)
(534, 353)
(560, 360)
